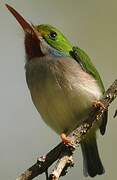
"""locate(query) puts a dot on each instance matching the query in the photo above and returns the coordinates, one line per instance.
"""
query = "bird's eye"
(53, 35)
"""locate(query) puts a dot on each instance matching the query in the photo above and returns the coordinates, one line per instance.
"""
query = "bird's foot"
(67, 140)
(98, 105)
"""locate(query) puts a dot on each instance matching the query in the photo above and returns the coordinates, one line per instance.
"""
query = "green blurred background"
(92, 25)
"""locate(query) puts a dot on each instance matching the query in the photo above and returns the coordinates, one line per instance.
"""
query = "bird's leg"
(66, 140)
(98, 105)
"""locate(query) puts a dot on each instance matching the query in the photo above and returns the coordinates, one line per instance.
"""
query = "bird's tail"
(92, 163)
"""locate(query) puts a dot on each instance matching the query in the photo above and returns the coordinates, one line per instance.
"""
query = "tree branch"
(61, 152)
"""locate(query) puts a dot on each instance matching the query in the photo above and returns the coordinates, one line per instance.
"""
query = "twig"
(115, 113)
(43, 163)
(46, 173)
(65, 161)
(63, 153)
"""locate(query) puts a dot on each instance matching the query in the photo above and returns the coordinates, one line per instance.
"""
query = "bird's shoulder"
(83, 59)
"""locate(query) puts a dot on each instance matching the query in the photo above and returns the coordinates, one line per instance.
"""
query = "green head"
(54, 37)
(34, 34)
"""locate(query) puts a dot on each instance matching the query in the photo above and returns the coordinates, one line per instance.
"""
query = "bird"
(64, 84)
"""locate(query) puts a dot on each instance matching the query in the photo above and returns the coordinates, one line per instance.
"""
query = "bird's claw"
(67, 140)
(98, 105)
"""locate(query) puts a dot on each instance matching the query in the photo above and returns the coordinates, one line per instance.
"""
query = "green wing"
(83, 59)
(80, 56)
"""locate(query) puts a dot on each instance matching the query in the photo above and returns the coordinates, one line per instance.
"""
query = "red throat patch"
(32, 46)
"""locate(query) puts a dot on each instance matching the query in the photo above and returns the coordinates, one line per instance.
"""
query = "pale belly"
(63, 96)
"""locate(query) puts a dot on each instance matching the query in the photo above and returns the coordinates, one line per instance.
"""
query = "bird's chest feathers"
(61, 91)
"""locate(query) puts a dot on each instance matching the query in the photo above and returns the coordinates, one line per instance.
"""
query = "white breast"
(61, 91)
